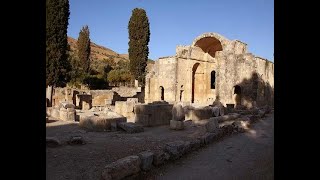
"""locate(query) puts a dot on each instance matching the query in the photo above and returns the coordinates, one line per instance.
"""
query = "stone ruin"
(214, 77)
(212, 67)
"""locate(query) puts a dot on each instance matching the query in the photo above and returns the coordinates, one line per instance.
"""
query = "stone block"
(99, 123)
(160, 158)
(178, 113)
(63, 114)
(71, 116)
(146, 158)
(175, 149)
(211, 124)
(55, 113)
(130, 127)
(122, 168)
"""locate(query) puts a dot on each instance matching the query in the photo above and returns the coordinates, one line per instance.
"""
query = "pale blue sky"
(177, 22)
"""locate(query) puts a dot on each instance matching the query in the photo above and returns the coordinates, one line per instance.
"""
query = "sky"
(176, 22)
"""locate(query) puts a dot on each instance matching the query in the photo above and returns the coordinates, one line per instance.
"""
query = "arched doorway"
(237, 95)
(161, 93)
(194, 70)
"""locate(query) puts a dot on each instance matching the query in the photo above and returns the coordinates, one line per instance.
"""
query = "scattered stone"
(76, 140)
(52, 142)
(176, 125)
(146, 158)
(122, 168)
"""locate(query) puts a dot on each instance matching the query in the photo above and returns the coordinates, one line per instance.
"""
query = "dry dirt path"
(241, 156)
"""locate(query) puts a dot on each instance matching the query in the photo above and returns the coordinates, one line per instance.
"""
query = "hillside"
(99, 52)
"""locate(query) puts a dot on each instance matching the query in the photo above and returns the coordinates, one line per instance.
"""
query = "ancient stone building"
(212, 68)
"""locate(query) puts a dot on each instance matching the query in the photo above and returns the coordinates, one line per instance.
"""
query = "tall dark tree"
(84, 48)
(139, 36)
(57, 64)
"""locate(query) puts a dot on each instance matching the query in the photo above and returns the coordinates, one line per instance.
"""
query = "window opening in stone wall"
(213, 80)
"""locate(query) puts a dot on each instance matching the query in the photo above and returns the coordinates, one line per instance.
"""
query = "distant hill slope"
(99, 52)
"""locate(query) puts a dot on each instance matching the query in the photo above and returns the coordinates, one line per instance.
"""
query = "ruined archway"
(161, 93)
(237, 95)
(210, 43)
(194, 81)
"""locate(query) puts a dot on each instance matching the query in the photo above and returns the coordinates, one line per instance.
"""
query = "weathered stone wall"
(101, 97)
(153, 114)
(126, 108)
(186, 77)
(65, 94)
(164, 70)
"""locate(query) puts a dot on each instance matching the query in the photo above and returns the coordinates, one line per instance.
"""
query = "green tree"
(139, 36)
(57, 63)
(84, 49)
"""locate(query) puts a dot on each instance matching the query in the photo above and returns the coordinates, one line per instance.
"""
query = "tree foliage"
(139, 36)
(57, 64)
(84, 49)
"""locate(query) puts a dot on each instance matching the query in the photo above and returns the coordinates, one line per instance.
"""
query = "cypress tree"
(57, 64)
(84, 49)
(139, 36)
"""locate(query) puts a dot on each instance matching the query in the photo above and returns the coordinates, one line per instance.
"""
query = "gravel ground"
(244, 156)
(87, 161)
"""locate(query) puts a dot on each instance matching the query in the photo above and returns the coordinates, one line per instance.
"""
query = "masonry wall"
(165, 73)
(233, 65)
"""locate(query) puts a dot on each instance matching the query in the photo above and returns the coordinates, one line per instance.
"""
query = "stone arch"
(210, 43)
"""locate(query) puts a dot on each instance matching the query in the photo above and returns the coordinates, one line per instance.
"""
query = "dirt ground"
(241, 156)
(86, 162)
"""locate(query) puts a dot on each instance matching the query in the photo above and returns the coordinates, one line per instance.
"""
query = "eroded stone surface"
(121, 168)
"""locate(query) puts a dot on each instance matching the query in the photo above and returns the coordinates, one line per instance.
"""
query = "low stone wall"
(153, 114)
(64, 111)
(101, 123)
